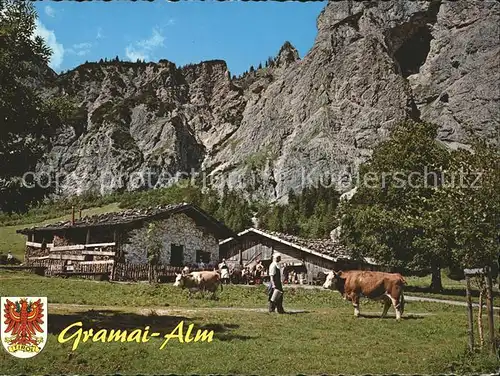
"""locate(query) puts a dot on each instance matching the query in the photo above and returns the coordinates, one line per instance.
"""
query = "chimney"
(72, 216)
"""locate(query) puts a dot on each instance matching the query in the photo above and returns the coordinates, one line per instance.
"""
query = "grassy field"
(324, 337)
(10, 240)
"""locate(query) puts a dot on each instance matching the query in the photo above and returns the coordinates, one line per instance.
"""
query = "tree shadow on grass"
(297, 312)
(118, 320)
(223, 332)
(389, 317)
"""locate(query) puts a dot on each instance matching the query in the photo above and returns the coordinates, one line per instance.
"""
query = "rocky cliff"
(372, 65)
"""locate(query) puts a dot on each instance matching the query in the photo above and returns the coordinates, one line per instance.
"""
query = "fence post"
(113, 271)
(470, 318)
(489, 308)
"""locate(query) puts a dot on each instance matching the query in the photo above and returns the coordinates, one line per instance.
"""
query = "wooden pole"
(470, 318)
(117, 256)
(480, 316)
(489, 309)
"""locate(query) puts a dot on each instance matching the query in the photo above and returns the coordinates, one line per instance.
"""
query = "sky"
(241, 33)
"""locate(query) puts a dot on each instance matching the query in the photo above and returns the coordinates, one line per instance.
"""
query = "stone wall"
(179, 230)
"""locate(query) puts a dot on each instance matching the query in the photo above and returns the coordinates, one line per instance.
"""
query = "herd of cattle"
(352, 285)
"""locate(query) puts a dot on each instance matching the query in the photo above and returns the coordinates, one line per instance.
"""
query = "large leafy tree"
(472, 197)
(394, 216)
(26, 120)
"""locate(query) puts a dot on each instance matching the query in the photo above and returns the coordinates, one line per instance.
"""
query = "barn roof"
(325, 248)
(131, 216)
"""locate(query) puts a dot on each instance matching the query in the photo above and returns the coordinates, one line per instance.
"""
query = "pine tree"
(270, 62)
(274, 221)
(289, 221)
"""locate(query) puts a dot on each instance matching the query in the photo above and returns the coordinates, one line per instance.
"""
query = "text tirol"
(138, 335)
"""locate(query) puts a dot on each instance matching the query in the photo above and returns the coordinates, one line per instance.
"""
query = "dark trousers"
(277, 304)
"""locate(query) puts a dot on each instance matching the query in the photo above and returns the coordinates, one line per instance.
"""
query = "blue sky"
(241, 33)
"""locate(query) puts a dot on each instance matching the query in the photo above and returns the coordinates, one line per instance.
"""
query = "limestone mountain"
(372, 65)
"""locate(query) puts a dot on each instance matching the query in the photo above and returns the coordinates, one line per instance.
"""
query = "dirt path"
(166, 311)
(412, 298)
(160, 310)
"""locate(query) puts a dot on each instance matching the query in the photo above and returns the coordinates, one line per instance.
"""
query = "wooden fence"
(116, 271)
(141, 272)
(94, 267)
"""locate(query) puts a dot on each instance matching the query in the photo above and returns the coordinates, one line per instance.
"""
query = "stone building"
(183, 242)
(183, 233)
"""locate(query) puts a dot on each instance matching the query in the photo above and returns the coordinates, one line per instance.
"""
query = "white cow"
(202, 281)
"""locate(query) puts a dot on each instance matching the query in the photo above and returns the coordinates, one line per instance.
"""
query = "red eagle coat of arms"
(24, 325)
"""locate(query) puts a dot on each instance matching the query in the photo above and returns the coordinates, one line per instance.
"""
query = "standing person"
(275, 284)
(292, 276)
(244, 275)
(10, 258)
(201, 265)
(224, 272)
(259, 268)
(237, 274)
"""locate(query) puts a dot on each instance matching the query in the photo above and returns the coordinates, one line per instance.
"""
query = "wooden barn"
(117, 243)
(302, 256)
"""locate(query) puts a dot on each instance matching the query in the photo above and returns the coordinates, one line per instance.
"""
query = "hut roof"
(322, 247)
(130, 216)
(326, 248)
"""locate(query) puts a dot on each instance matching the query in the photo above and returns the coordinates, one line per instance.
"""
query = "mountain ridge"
(372, 65)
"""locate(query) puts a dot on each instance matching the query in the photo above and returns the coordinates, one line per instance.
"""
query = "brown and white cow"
(372, 285)
(202, 281)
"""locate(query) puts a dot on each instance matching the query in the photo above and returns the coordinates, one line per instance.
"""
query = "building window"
(176, 255)
(202, 256)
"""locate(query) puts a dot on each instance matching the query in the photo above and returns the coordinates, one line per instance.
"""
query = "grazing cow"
(202, 281)
(373, 285)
